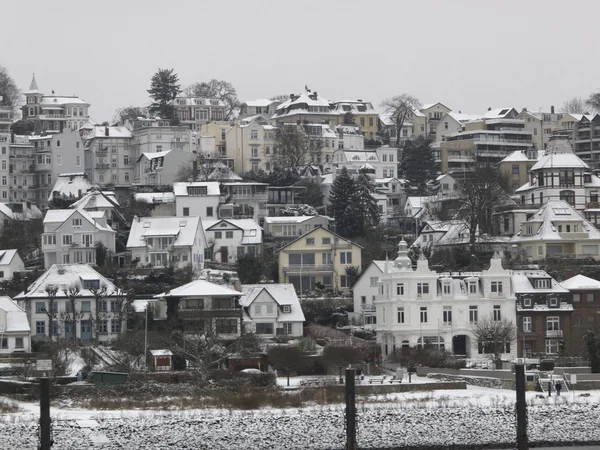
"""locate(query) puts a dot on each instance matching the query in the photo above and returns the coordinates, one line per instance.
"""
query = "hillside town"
(295, 234)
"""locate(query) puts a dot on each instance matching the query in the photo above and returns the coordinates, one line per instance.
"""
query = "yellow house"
(515, 168)
(218, 130)
(318, 257)
(363, 113)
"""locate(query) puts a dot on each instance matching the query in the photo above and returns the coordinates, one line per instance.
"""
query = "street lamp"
(146, 335)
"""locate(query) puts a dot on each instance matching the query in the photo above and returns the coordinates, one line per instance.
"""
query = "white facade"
(105, 324)
(167, 241)
(161, 168)
(418, 307)
(272, 310)
(293, 226)
(231, 238)
(200, 199)
(193, 112)
(383, 160)
(108, 157)
(70, 236)
(10, 262)
(365, 292)
(14, 328)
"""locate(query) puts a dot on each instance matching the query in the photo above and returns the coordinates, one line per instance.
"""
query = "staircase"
(545, 378)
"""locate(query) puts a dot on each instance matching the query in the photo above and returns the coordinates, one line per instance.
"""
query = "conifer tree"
(365, 205)
(341, 203)
(164, 87)
(418, 163)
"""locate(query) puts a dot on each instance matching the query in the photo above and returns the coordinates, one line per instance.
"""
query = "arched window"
(356, 158)
(568, 196)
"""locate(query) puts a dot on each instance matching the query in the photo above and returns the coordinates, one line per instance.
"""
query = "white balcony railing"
(554, 333)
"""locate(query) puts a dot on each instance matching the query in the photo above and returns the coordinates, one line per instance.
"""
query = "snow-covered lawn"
(296, 381)
(429, 420)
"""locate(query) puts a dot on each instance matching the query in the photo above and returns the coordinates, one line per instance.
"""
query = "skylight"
(561, 211)
(146, 224)
(504, 111)
(183, 223)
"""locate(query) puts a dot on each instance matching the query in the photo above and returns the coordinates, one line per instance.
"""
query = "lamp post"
(146, 335)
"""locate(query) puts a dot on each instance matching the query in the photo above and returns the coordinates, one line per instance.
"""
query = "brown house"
(586, 308)
(544, 310)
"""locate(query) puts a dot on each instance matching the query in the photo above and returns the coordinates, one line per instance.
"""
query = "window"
(227, 326)
(67, 239)
(497, 313)
(126, 160)
(103, 306)
(553, 323)
(527, 325)
(287, 309)
(310, 241)
(326, 258)
(287, 328)
(373, 281)
(85, 306)
(254, 152)
(40, 327)
(473, 314)
(446, 288)
(264, 328)
(186, 211)
(589, 298)
(40, 307)
(103, 326)
(19, 342)
(229, 235)
(423, 314)
(76, 222)
(552, 346)
(326, 241)
(576, 298)
(400, 315)
(400, 289)
(515, 169)
(472, 287)
(126, 176)
(209, 211)
(344, 281)
(115, 326)
(363, 299)
(527, 302)
(91, 284)
(553, 301)
(422, 288)
(497, 287)
(218, 235)
(78, 158)
(587, 249)
(447, 315)
(253, 134)
(346, 258)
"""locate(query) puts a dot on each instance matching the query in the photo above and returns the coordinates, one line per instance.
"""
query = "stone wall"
(387, 388)
(487, 382)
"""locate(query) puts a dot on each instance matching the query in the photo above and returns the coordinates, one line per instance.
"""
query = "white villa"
(230, 238)
(365, 291)
(14, 328)
(10, 262)
(272, 310)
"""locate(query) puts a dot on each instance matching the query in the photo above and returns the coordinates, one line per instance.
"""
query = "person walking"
(558, 386)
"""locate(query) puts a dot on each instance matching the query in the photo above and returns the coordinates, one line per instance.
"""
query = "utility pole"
(522, 441)
(45, 424)
(350, 410)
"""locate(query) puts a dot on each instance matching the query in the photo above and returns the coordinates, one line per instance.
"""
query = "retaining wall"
(501, 374)
(387, 388)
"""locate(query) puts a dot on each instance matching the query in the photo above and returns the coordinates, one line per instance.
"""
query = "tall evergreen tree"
(341, 198)
(364, 205)
(418, 163)
(164, 87)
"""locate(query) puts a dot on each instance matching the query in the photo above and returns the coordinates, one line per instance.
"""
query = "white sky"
(468, 54)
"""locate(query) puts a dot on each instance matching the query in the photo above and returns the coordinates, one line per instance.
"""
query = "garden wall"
(501, 374)
(386, 388)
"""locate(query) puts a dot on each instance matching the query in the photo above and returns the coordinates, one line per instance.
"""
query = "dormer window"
(543, 283)
(527, 302)
(446, 288)
(497, 287)
(553, 302)
(287, 309)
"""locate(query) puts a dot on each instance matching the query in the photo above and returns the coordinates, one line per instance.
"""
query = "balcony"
(307, 268)
(102, 166)
(452, 158)
(368, 308)
(554, 333)
(258, 196)
(574, 235)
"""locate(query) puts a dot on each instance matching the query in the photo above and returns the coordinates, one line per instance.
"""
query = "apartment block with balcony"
(586, 139)
(167, 241)
(271, 310)
(418, 307)
(108, 155)
(488, 141)
(202, 307)
(556, 230)
(318, 260)
(544, 310)
(70, 236)
(55, 113)
(83, 322)
(585, 294)
(243, 199)
(251, 144)
(543, 125)
(193, 112)
(451, 123)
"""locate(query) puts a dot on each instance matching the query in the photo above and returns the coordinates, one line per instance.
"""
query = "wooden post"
(522, 441)
(350, 410)
(45, 441)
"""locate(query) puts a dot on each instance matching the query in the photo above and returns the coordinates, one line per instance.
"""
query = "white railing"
(554, 333)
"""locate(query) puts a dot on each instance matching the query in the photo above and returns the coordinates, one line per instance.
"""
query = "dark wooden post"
(522, 441)
(350, 410)
(45, 441)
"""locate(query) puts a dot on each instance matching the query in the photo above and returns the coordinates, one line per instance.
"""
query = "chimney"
(552, 109)
(136, 218)
(359, 100)
(194, 170)
(106, 131)
(525, 109)
(489, 108)
(316, 95)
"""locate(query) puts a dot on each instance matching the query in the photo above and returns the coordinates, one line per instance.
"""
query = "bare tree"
(99, 313)
(207, 169)
(494, 337)
(203, 349)
(342, 354)
(593, 102)
(400, 108)
(215, 89)
(121, 306)
(51, 291)
(280, 98)
(10, 94)
(478, 195)
(71, 315)
(129, 113)
(295, 148)
(286, 358)
(575, 105)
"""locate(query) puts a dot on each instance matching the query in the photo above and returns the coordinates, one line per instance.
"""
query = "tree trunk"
(288, 377)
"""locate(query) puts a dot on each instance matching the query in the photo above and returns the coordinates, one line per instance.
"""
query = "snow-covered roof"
(287, 219)
(49, 101)
(516, 157)
(197, 101)
(497, 113)
(16, 317)
(361, 155)
(64, 276)
(580, 282)
(6, 256)
(551, 212)
(71, 185)
(283, 294)
(252, 230)
(99, 131)
(212, 187)
(31, 212)
(154, 155)
(62, 215)
(182, 228)
(259, 102)
(522, 283)
(560, 160)
(164, 352)
(200, 288)
(155, 197)
(461, 118)
(94, 199)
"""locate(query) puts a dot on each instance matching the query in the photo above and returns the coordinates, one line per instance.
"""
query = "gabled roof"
(184, 230)
(319, 228)
(154, 155)
(580, 282)
(200, 288)
(71, 185)
(560, 160)
(181, 189)
(461, 118)
(31, 212)
(499, 113)
(16, 317)
(522, 283)
(6, 256)
(95, 199)
(516, 157)
(62, 215)
(99, 131)
(430, 105)
(65, 276)
(259, 102)
(283, 294)
(287, 219)
(252, 230)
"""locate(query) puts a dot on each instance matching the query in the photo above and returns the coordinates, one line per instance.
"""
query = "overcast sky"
(466, 54)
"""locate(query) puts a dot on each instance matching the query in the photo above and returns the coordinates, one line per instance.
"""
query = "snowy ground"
(428, 420)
